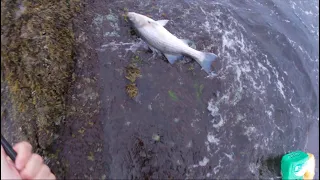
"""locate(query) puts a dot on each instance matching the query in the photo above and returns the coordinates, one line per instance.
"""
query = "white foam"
(218, 125)
(269, 113)
(280, 88)
(204, 162)
(229, 156)
(207, 27)
(228, 42)
(280, 129)
(262, 67)
(256, 146)
(217, 168)
(296, 108)
(264, 71)
(194, 122)
(189, 145)
(308, 12)
(212, 75)
(212, 108)
(208, 146)
(250, 131)
(212, 139)
(253, 168)
(244, 74)
(293, 5)
(127, 123)
(208, 175)
(240, 117)
(245, 68)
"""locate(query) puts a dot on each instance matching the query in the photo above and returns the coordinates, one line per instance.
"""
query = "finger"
(24, 152)
(32, 167)
(8, 170)
(45, 173)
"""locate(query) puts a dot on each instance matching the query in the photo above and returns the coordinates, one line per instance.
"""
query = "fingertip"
(37, 158)
(24, 145)
(45, 173)
(33, 166)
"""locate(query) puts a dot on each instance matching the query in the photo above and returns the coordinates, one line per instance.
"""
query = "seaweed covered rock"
(37, 60)
(132, 73)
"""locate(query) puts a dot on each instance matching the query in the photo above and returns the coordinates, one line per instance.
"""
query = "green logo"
(299, 169)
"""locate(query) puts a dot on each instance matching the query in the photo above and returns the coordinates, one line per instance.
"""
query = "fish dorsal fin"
(172, 58)
(162, 22)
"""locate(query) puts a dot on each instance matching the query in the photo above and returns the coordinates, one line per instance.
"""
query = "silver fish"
(158, 38)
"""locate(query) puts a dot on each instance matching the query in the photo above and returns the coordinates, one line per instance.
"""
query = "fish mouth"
(131, 16)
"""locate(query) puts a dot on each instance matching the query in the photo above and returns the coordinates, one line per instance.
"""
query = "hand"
(26, 166)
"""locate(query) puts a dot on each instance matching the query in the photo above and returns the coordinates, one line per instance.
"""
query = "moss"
(132, 73)
(172, 95)
(54, 155)
(199, 90)
(125, 17)
(81, 130)
(125, 9)
(90, 123)
(90, 157)
(136, 60)
(191, 68)
(125, 14)
(37, 60)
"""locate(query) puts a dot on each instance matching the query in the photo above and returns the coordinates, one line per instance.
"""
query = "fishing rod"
(8, 149)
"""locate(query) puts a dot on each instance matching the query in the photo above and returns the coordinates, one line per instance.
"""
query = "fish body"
(159, 38)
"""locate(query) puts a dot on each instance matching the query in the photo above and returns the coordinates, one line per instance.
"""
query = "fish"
(160, 39)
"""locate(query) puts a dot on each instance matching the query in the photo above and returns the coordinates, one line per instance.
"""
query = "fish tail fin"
(206, 61)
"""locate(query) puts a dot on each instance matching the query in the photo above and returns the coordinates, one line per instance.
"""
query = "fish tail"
(206, 61)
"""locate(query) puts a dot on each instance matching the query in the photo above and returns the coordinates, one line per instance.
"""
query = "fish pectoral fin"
(172, 58)
(154, 50)
(190, 43)
(163, 22)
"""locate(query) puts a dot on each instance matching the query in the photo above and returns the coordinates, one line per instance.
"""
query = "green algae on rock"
(37, 60)
(173, 96)
(132, 90)
(132, 73)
